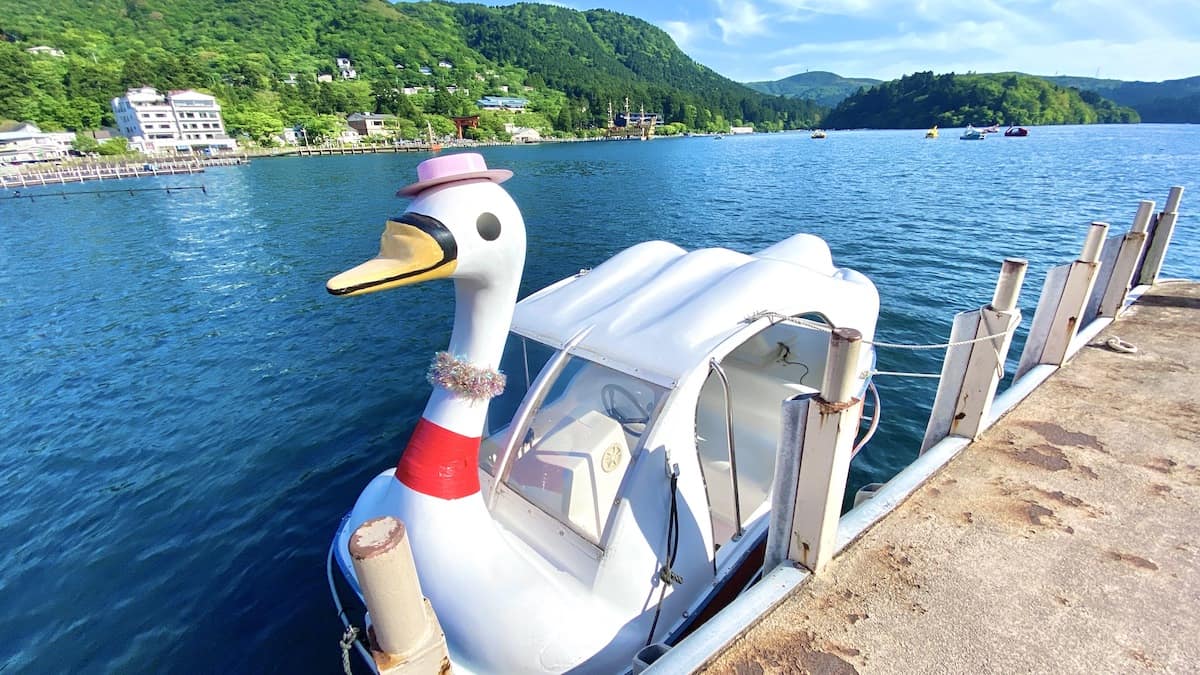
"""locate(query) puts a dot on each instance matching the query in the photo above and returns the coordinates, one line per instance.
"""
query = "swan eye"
(488, 225)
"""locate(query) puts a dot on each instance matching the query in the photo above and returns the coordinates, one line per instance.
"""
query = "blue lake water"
(185, 414)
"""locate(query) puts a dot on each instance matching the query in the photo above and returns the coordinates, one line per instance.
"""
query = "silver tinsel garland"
(463, 379)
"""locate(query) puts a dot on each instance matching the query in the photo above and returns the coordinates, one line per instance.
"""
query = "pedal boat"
(618, 490)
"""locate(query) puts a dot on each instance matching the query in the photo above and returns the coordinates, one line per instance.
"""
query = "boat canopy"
(706, 295)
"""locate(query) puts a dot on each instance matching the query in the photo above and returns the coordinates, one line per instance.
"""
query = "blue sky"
(770, 39)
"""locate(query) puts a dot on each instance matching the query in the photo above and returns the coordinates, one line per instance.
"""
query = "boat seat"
(756, 420)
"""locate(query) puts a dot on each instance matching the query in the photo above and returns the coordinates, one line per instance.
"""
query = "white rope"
(346, 643)
(903, 374)
(778, 318)
(1118, 345)
(874, 421)
(937, 346)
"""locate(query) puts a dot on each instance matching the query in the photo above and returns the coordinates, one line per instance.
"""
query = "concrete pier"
(1065, 539)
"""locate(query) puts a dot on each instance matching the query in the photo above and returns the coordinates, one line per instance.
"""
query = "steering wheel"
(634, 424)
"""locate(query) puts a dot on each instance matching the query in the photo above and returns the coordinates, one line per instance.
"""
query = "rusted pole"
(971, 372)
(405, 634)
(1075, 293)
(1156, 248)
(826, 446)
(1121, 279)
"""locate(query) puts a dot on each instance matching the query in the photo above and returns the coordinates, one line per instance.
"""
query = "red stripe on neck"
(439, 462)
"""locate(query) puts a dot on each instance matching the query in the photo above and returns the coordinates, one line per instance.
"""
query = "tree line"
(949, 100)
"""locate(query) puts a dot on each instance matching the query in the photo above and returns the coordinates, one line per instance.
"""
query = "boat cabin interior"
(575, 451)
(778, 363)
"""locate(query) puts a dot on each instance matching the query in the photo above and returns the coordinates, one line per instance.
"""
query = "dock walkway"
(36, 176)
(1065, 539)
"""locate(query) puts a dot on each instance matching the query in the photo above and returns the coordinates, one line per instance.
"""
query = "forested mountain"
(600, 56)
(569, 64)
(825, 88)
(1168, 101)
(924, 99)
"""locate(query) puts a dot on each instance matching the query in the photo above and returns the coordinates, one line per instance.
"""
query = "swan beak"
(414, 248)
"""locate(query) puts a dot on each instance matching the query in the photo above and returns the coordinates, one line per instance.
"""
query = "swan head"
(461, 225)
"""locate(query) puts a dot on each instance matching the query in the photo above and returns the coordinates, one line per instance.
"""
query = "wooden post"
(830, 425)
(1156, 248)
(1064, 299)
(405, 633)
(971, 372)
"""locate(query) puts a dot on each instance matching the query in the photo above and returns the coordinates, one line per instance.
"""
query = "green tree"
(114, 146)
(258, 125)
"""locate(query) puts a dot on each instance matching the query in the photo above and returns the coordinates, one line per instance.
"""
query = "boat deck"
(1064, 540)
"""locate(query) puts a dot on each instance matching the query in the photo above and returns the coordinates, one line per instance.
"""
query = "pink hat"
(450, 168)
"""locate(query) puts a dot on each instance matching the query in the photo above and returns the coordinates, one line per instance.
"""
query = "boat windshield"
(579, 442)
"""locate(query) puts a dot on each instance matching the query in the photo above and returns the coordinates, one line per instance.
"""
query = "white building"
(346, 68)
(27, 143)
(43, 50)
(182, 121)
(522, 134)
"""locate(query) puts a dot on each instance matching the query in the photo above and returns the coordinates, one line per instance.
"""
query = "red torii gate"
(461, 123)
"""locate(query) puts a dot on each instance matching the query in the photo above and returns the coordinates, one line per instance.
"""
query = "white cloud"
(1150, 59)
(752, 39)
(739, 18)
(681, 32)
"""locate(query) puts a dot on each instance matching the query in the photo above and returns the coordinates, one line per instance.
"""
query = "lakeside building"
(25, 142)
(369, 124)
(508, 103)
(741, 130)
(43, 50)
(523, 134)
(181, 121)
(346, 68)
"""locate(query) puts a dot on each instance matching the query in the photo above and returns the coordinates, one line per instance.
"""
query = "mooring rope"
(896, 373)
(1118, 345)
(346, 643)
(776, 317)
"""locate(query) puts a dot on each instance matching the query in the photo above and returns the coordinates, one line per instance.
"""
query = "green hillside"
(825, 88)
(1167, 101)
(923, 99)
(569, 64)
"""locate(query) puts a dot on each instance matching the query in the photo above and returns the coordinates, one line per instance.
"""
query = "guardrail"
(1078, 301)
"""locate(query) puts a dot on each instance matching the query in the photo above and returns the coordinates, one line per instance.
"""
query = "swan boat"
(618, 487)
(973, 134)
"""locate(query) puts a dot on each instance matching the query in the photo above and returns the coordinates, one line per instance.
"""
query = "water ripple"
(187, 413)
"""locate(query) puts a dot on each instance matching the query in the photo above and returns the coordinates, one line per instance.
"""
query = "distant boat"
(718, 137)
(972, 134)
(994, 129)
(817, 133)
(932, 133)
(1016, 131)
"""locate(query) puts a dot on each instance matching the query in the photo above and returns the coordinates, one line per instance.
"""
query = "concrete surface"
(1067, 539)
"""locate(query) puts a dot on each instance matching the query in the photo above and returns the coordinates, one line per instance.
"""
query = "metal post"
(828, 439)
(1008, 286)
(971, 372)
(1075, 293)
(794, 414)
(1156, 248)
(1121, 279)
(405, 633)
